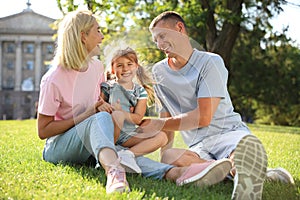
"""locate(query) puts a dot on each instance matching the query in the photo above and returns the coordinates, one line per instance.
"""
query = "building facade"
(26, 49)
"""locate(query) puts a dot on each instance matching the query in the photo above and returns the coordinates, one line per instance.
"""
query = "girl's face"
(93, 39)
(125, 69)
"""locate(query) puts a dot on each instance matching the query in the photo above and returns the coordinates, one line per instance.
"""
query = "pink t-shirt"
(67, 93)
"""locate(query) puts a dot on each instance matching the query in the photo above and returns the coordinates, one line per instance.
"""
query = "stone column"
(18, 74)
(1, 64)
(38, 65)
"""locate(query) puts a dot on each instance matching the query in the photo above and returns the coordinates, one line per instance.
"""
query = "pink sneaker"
(116, 180)
(208, 173)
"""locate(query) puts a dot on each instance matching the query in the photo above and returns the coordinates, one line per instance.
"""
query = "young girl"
(129, 101)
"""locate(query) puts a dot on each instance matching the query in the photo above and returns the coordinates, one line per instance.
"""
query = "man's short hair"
(167, 15)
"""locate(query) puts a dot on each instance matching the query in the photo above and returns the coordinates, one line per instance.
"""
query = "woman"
(69, 105)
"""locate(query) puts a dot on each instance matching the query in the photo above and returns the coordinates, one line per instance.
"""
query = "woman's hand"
(103, 106)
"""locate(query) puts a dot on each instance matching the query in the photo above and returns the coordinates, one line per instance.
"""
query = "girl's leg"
(118, 119)
(181, 157)
(141, 146)
(170, 135)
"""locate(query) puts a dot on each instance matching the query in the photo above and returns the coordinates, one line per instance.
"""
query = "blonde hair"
(70, 51)
(143, 78)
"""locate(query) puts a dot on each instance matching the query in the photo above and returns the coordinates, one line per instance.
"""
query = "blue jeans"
(87, 139)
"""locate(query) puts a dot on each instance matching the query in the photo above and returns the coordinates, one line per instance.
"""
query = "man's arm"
(200, 117)
(197, 118)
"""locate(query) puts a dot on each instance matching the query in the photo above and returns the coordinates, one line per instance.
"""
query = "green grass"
(24, 175)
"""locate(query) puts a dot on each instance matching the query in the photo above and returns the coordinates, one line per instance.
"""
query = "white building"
(26, 48)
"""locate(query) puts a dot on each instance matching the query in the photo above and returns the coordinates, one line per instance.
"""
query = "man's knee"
(180, 157)
(167, 156)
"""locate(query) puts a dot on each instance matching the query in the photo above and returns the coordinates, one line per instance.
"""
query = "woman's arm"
(48, 127)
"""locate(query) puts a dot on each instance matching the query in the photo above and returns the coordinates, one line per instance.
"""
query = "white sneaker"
(279, 174)
(128, 161)
(251, 161)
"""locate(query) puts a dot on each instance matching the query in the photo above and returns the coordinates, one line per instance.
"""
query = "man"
(192, 88)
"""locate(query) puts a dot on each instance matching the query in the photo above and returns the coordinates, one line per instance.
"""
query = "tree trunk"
(225, 41)
(222, 42)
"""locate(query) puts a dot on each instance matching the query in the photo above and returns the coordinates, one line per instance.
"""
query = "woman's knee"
(104, 123)
(105, 116)
(105, 119)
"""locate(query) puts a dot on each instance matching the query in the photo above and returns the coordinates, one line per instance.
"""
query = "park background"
(264, 83)
(261, 55)
(258, 40)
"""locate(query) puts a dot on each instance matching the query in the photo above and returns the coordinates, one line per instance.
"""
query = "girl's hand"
(92, 109)
(150, 127)
(117, 105)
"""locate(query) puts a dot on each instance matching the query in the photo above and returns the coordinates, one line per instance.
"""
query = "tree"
(265, 81)
(261, 68)
(215, 24)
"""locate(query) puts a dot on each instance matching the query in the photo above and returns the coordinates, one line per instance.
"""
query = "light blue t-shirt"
(205, 75)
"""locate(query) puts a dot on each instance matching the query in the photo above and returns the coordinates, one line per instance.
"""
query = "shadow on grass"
(281, 191)
(157, 189)
(163, 189)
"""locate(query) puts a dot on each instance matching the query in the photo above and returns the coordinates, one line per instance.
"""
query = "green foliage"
(24, 175)
(265, 79)
(210, 22)
(264, 72)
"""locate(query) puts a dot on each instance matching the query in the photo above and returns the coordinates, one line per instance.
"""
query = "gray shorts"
(219, 146)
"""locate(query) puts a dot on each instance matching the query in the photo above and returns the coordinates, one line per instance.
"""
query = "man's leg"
(250, 161)
(207, 173)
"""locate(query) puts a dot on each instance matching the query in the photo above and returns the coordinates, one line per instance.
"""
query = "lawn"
(24, 175)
